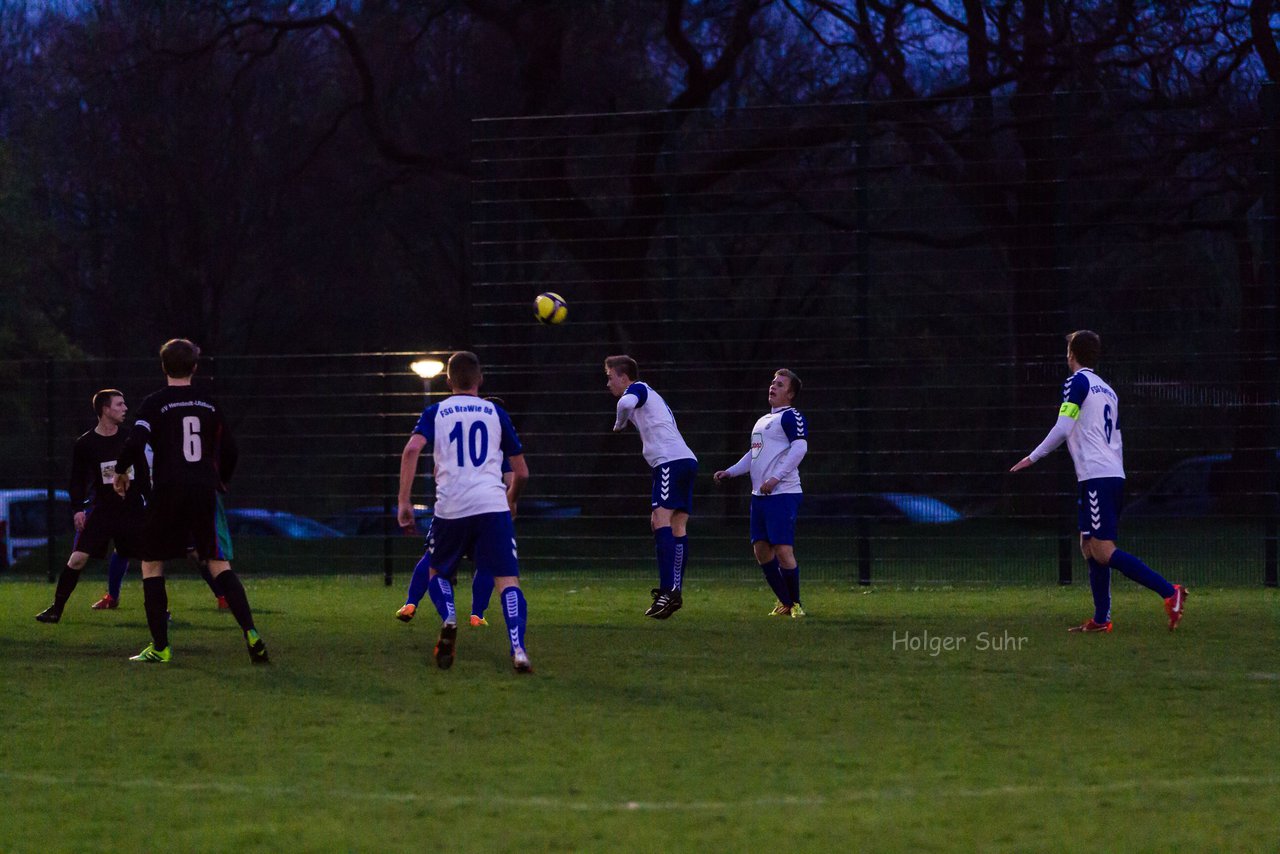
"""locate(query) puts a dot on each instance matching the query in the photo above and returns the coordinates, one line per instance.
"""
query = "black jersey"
(189, 439)
(93, 469)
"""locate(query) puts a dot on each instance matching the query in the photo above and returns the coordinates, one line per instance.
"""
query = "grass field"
(718, 730)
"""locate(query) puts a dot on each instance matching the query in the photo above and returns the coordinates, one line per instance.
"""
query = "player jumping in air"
(469, 438)
(779, 442)
(1089, 421)
(673, 467)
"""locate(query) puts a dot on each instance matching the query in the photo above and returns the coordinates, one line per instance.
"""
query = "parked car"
(24, 521)
(368, 521)
(1192, 487)
(881, 506)
(259, 522)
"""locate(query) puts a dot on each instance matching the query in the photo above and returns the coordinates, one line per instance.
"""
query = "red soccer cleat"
(106, 603)
(1174, 605)
(1090, 625)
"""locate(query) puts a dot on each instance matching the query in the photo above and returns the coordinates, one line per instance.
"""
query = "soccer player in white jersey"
(674, 468)
(779, 442)
(1089, 421)
(469, 438)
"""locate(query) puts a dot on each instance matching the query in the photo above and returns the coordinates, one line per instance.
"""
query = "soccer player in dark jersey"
(101, 516)
(194, 457)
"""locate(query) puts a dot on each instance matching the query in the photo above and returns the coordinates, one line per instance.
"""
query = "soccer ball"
(550, 307)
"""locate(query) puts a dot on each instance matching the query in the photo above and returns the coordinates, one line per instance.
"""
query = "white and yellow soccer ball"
(550, 307)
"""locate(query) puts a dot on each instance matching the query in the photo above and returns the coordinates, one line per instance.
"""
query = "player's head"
(784, 389)
(179, 357)
(621, 372)
(109, 404)
(463, 373)
(1085, 347)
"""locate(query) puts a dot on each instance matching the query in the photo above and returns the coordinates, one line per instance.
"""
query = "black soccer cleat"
(654, 608)
(257, 649)
(665, 603)
(445, 645)
(49, 615)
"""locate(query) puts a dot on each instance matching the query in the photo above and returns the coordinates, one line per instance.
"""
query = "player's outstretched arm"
(1061, 430)
(741, 467)
(408, 470)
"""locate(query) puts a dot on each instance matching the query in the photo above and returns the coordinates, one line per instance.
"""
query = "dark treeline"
(271, 177)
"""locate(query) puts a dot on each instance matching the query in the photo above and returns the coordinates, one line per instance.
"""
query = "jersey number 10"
(477, 442)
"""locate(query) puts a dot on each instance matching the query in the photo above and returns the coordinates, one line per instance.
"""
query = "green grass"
(718, 730)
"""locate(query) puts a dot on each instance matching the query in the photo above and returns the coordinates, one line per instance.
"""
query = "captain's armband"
(1070, 410)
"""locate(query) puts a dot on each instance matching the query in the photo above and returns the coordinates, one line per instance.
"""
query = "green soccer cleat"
(797, 612)
(257, 649)
(151, 655)
(780, 610)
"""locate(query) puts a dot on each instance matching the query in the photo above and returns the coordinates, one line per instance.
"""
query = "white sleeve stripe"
(143, 424)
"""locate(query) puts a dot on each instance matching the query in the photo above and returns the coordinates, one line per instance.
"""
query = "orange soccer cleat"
(1090, 625)
(1174, 605)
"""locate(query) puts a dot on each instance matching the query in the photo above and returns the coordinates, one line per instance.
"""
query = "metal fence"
(916, 264)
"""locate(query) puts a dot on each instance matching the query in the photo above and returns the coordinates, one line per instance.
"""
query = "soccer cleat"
(780, 610)
(520, 661)
(106, 603)
(49, 615)
(223, 604)
(654, 608)
(406, 613)
(445, 645)
(151, 655)
(1174, 605)
(797, 611)
(257, 649)
(669, 603)
(1089, 626)
(477, 621)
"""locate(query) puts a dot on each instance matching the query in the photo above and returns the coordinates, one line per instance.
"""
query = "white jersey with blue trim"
(469, 439)
(1095, 444)
(645, 408)
(771, 438)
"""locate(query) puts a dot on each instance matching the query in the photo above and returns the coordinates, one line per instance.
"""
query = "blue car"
(260, 522)
(904, 507)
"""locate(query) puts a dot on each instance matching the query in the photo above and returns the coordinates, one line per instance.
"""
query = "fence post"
(1271, 282)
(389, 523)
(1062, 279)
(51, 475)
(862, 349)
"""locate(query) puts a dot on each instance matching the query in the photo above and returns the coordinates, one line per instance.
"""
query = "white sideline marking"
(546, 802)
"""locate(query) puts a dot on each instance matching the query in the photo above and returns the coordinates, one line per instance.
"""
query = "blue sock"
(516, 612)
(117, 566)
(665, 546)
(679, 560)
(1100, 584)
(1138, 571)
(418, 581)
(441, 593)
(773, 575)
(792, 579)
(481, 593)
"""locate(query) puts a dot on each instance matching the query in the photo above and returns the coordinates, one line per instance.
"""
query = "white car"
(24, 521)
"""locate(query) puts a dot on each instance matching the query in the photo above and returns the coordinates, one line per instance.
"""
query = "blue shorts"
(773, 518)
(489, 537)
(673, 485)
(1099, 503)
